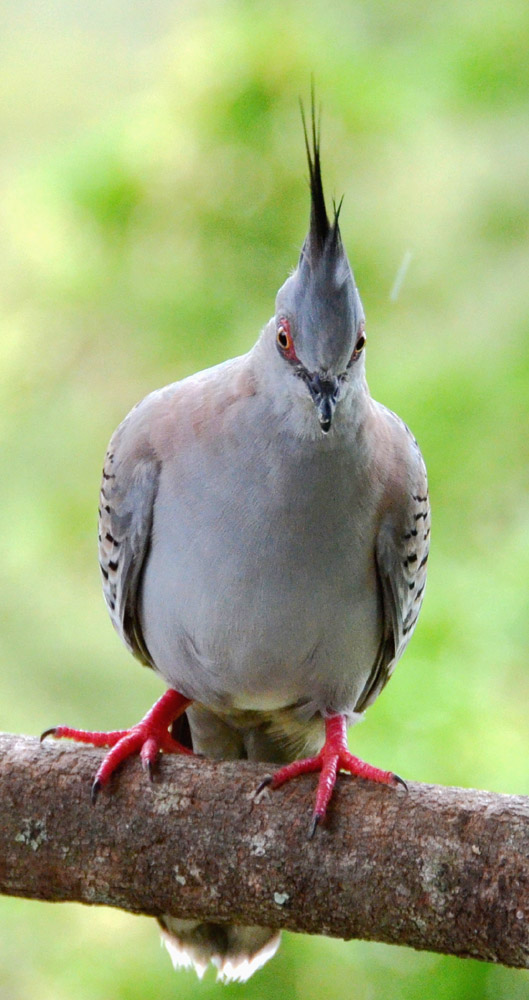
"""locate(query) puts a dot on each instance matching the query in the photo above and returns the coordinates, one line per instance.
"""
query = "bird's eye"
(360, 344)
(284, 340)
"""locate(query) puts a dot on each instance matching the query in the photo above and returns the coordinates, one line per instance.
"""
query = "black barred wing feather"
(401, 555)
(128, 490)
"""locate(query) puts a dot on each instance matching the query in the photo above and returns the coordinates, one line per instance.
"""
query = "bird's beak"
(324, 391)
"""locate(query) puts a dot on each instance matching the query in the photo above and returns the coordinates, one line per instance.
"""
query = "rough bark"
(445, 869)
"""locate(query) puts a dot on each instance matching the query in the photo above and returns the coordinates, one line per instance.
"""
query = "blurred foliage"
(153, 198)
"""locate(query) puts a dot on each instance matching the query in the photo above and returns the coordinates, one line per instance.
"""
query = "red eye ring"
(284, 340)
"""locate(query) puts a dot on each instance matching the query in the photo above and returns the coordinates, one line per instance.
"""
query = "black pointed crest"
(322, 236)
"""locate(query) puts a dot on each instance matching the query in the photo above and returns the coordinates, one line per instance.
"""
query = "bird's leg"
(334, 756)
(148, 737)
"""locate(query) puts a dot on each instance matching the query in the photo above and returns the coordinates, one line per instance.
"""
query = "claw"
(264, 783)
(399, 781)
(95, 790)
(314, 823)
(48, 732)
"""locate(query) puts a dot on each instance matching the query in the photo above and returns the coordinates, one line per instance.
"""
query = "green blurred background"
(153, 198)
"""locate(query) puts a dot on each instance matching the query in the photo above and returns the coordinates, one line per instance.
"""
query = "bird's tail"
(279, 736)
(237, 952)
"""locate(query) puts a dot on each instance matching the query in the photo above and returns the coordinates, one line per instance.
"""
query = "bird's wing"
(401, 556)
(128, 490)
(167, 420)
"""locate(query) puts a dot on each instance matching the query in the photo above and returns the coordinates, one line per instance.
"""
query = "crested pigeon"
(264, 534)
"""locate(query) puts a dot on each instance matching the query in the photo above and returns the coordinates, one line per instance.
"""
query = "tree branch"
(446, 869)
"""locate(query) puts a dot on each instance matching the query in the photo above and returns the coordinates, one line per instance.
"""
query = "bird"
(264, 532)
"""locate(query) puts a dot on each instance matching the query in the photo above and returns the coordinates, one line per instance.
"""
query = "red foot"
(333, 757)
(147, 738)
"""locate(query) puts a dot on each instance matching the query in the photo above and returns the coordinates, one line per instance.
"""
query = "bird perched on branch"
(264, 532)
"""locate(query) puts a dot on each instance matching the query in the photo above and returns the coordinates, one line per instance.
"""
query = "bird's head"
(319, 319)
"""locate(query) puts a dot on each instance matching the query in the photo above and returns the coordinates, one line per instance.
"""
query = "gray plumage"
(264, 534)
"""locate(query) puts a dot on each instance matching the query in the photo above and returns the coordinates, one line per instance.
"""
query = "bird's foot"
(333, 757)
(148, 737)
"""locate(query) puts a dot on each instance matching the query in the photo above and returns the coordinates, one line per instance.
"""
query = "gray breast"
(260, 590)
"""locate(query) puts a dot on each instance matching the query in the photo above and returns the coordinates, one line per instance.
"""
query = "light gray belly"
(260, 607)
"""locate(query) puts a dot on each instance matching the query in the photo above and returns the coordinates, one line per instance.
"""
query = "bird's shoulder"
(168, 418)
(398, 466)
(404, 511)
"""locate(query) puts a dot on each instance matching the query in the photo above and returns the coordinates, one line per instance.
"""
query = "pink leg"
(148, 737)
(333, 757)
